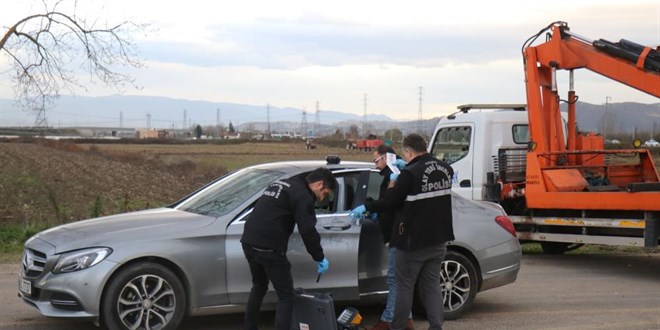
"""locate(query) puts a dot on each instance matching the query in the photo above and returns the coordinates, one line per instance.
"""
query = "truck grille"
(510, 164)
(33, 262)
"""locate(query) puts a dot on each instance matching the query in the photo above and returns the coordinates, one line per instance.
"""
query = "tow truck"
(561, 188)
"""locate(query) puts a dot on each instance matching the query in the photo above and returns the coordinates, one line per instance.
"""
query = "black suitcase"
(313, 311)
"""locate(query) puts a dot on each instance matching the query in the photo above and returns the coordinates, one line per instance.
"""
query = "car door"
(340, 236)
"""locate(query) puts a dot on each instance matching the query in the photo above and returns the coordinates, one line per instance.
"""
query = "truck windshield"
(452, 143)
(229, 192)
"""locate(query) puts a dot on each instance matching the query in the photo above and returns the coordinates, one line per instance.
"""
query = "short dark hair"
(322, 174)
(415, 142)
(384, 148)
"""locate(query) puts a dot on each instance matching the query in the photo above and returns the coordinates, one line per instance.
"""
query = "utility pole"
(121, 119)
(317, 120)
(148, 121)
(185, 119)
(303, 123)
(41, 120)
(419, 112)
(217, 122)
(268, 120)
(606, 123)
(364, 117)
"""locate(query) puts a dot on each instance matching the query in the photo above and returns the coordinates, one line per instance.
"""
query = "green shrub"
(12, 237)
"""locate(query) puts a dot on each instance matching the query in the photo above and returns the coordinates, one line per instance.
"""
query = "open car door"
(340, 238)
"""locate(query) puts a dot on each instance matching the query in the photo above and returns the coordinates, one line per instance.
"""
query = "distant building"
(145, 133)
(232, 136)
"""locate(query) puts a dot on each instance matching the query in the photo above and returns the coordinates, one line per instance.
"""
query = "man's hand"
(400, 163)
(323, 266)
(358, 212)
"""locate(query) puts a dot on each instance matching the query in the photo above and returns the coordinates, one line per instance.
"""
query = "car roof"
(309, 165)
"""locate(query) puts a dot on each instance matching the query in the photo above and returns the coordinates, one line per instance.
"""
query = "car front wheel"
(143, 296)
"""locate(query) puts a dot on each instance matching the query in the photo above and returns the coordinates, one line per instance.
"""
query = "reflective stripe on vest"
(430, 194)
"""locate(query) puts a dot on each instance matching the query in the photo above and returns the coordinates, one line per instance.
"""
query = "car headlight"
(80, 259)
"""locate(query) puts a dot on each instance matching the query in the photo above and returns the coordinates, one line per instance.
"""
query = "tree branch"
(43, 46)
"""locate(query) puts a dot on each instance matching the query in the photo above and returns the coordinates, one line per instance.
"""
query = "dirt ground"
(51, 182)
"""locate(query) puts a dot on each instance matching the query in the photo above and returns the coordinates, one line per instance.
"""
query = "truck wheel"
(459, 285)
(143, 296)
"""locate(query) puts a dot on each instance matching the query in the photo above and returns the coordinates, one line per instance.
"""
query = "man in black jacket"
(421, 198)
(283, 204)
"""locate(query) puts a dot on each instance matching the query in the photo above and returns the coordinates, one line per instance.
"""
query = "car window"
(343, 198)
(347, 190)
(375, 179)
(520, 133)
(228, 193)
(452, 143)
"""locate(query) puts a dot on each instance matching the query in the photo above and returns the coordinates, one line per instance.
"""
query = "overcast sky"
(294, 53)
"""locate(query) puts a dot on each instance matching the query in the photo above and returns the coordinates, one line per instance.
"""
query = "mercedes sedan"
(149, 269)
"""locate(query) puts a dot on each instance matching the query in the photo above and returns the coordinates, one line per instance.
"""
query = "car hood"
(107, 231)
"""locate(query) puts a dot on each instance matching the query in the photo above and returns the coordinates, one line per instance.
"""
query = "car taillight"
(506, 223)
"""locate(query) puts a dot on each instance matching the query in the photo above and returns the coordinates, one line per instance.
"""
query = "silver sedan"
(148, 269)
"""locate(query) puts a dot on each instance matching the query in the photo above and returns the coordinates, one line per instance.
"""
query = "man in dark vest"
(421, 198)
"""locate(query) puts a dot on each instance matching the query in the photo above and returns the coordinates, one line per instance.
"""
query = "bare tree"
(45, 48)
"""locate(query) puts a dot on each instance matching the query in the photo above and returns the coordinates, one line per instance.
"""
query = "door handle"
(465, 183)
(337, 226)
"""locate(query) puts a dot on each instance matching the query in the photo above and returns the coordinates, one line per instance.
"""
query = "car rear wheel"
(143, 296)
(459, 286)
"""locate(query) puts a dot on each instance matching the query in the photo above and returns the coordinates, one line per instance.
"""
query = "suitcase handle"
(337, 226)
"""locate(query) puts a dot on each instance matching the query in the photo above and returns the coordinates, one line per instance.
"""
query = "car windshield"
(226, 194)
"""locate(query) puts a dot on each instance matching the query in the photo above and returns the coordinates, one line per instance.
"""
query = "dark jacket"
(284, 204)
(421, 199)
(385, 217)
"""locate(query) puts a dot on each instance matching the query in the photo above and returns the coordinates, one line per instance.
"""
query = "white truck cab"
(470, 140)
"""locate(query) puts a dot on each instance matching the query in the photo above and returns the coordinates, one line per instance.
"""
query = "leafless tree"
(46, 48)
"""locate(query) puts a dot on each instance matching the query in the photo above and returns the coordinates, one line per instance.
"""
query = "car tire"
(128, 300)
(460, 285)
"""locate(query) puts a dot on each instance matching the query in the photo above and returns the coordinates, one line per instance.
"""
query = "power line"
(268, 119)
(303, 123)
(419, 112)
(364, 117)
(40, 120)
(317, 119)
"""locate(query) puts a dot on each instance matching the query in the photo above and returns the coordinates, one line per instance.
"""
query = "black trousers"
(270, 266)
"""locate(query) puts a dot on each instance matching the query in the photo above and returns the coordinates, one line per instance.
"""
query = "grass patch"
(535, 248)
(13, 236)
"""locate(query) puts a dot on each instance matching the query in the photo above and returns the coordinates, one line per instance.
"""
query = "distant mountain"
(623, 117)
(107, 111)
(165, 112)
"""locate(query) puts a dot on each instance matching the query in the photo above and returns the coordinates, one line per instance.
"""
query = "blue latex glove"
(393, 176)
(373, 216)
(400, 163)
(323, 266)
(358, 212)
